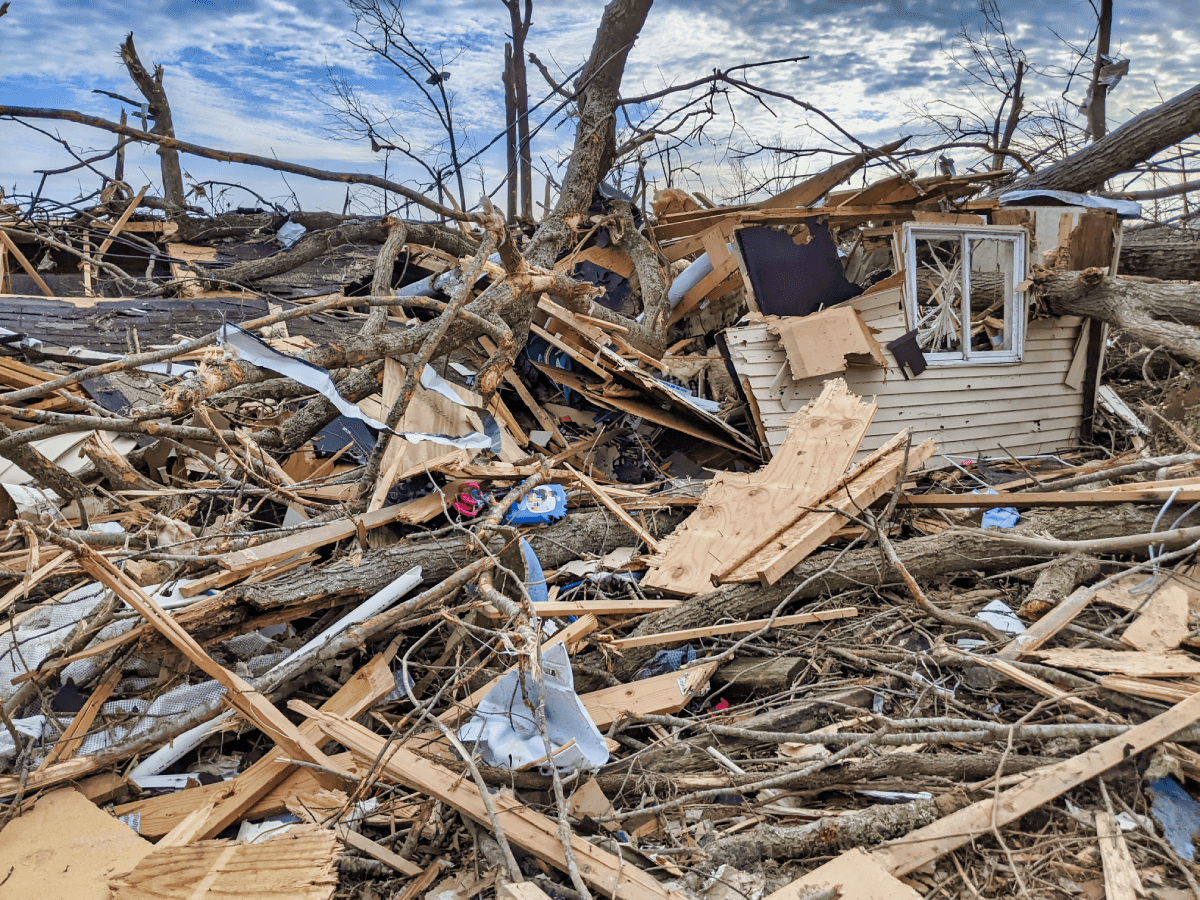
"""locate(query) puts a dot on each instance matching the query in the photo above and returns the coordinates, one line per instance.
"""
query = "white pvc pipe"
(192, 738)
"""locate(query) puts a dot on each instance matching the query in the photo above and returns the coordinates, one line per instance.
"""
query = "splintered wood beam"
(239, 694)
(369, 684)
(530, 830)
(691, 634)
(71, 739)
(25, 264)
(1040, 787)
(615, 508)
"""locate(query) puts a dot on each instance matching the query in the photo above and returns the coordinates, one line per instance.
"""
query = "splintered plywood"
(737, 509)
(66, 849)
(1162, 623)
(826, 342)
(296, 865)
(867, 482)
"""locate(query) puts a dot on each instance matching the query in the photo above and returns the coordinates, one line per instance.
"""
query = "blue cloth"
(667, 661)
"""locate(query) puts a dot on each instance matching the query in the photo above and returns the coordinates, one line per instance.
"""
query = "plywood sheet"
(66, 849)
(737, 509)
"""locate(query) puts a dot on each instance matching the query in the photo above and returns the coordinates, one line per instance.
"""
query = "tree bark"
(595, 136)
(1166, 253)
(152, 89)
(1154, 314)
(592, 532)
(1097, 108)
(1136, 141)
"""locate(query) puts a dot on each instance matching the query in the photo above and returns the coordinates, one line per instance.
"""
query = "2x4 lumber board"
(869, 481)
(1037, 634)
(25, 264)
(306, 541)
(252, 705)
(369, 684)
(1133, 663)
(120, 224)
(1040, 787)
(68, 744)
(690, 634)
(1121, 879)
(615, 508)
(1154, 496)
(299, 865)
(555, 341)
(530, 830)
(513, 380)
(738, 508)
(666, 693)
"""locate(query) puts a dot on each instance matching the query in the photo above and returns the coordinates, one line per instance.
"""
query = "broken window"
(963, 294)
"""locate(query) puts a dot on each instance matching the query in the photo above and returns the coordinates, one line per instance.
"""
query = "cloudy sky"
(256, 76)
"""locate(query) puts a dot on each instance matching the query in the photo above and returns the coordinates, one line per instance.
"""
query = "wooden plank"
(870, 480)
(298, 865)
(1020, 499)
(737, 508)
(1165, 691)
(25, 264)
(1048, 625)
(355, 697)
(378, 851)
(512, 380)
(615, 508)
(1045, 688)
(68, 744)
(1121, 879)
(1130, 662)
(688, 634)
(1040, 787)
(239, 694)
(119, 224)
(659, 694)
(527, 829)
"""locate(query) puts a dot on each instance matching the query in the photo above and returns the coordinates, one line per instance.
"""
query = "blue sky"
(254, 76)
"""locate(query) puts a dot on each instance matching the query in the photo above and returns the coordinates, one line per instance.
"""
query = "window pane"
(939, 294)
(991, 295)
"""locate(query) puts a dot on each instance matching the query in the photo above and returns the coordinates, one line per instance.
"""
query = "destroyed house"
(951, 343)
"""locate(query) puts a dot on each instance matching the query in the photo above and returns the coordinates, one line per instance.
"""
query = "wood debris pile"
(671, 596)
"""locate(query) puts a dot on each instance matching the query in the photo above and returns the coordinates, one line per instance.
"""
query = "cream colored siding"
(967, 409)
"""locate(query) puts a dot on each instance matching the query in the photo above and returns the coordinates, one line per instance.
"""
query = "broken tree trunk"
(1154, 314)
(1134, 142)
(152, 89)
(1167, 253)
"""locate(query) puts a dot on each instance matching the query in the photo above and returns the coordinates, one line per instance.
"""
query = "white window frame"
(1012, 234)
